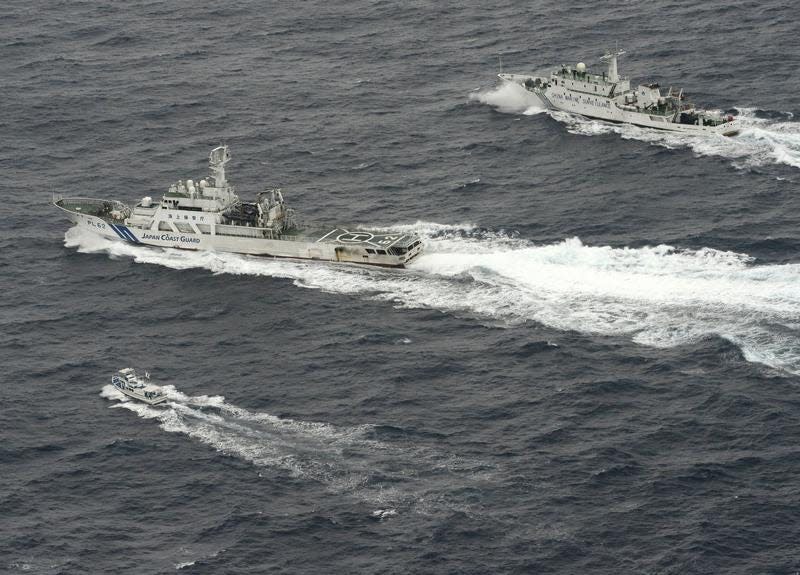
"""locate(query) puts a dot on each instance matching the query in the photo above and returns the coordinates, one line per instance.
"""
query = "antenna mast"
(611, 57)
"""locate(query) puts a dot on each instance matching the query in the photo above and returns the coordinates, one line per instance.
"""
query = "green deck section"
(84, 207)
(93, 207)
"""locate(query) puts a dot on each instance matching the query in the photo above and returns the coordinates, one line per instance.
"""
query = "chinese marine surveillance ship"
(608, 96)
(208, 215)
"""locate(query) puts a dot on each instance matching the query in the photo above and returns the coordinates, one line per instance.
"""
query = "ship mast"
(219, 187)
(217, 159)
(613, 75)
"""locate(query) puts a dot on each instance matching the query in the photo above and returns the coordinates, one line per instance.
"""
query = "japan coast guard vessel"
(208, 215)
(608, 96)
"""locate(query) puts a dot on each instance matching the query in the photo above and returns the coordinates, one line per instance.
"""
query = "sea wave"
(346, 460)
(659, 296)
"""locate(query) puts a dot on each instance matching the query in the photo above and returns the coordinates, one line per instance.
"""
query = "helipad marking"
(355, 237)
(326, 235)
(389, 241)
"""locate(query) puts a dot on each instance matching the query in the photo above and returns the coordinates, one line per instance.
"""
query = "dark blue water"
(594, 368)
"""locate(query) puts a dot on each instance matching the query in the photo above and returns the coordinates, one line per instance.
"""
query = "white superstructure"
(140, 388)
(208, 215)
(608, 96)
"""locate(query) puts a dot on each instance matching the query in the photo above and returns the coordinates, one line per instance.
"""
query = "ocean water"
(594, 367)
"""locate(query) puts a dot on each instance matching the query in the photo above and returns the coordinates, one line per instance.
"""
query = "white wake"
(761, 142)
(511, 98)
(343, 459)
(658, 296)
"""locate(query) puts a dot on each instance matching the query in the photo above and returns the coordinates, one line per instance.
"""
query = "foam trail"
(659, 296)
(511, 98)
(761, 142)
(344, 459)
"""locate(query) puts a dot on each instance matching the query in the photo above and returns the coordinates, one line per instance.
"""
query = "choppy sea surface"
(595, 366)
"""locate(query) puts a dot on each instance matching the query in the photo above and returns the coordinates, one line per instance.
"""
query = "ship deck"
(343, 236)
(104, 209)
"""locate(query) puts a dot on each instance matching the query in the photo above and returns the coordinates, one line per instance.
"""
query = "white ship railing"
(260, 233)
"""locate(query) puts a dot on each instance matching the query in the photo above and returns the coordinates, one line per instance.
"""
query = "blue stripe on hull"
(129, 234)
(113, 227)
(125, 234)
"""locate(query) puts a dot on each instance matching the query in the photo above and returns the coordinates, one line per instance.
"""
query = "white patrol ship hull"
(335, 245)
(609, 97)
(213, 218)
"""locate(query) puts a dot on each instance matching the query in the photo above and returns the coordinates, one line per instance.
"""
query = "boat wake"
(510, 98)
(659, 296)
(761, 142)
(345, 460)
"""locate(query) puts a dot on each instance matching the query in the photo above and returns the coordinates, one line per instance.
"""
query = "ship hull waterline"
(596, 109)
(134, 396)
(292, 250)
